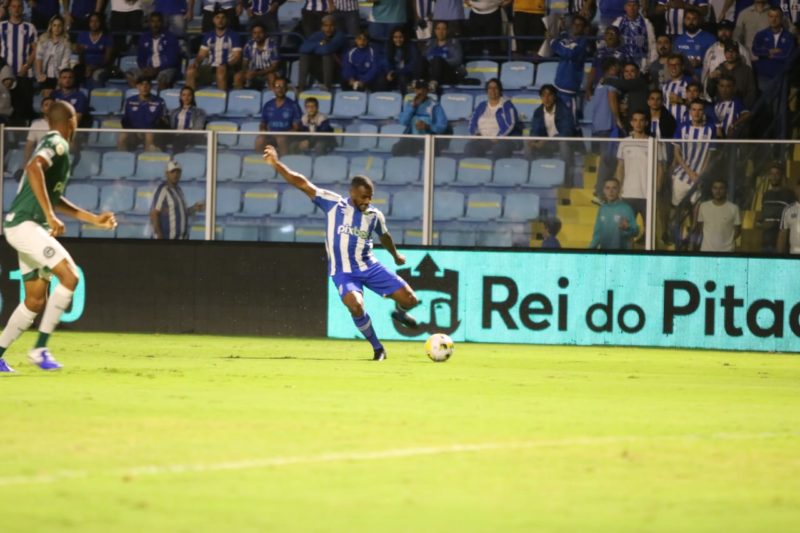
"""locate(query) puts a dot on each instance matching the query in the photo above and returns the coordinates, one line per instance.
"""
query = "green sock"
(41, 342)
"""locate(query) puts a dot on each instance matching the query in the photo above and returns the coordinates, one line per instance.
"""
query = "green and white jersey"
(54, 149)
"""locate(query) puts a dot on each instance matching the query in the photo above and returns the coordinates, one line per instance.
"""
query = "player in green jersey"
(31, 227)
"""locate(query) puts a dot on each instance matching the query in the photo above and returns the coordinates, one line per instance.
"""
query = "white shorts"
(36, 248)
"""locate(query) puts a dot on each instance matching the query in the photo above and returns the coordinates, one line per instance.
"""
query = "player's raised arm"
(104, 220)
(35, 171)
(291, 177)
(388, 243)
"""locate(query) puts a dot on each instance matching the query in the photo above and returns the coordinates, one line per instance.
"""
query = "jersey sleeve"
(326, 200)
(51, 150)
(380, 224)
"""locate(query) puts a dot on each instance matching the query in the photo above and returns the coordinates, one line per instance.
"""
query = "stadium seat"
(545, 73)
(457, 106)
(197, 231)
(510, 171)
(106, 101)
(212, 101)
(72, 229)
(381, 200)
(483, 206)
(526, 105)
(444, 171)
(276, 232)
(151, 165)
(9, 192)
(360, 143)
(413, 237)
(127, 63)
(243, 103)
(171, 97)
(474, 171)
(407, 204)
(226, 131)
(247, 142)
(299, 163)
(457, 146)
(309, 233)
(119, 164)
(402, 170)
(330, 169)
(324, 98)
(295, 204)
(84, 195)
(521, 207)
(366, 165)
(458, 237)
(254, 168)
(131, 91)
(144, 199)
(240, 233)
(267, 95)
(349, 104)
(259, 202)
(89, 231)
(130, 230)
(193, 165)
(88, 165)
(449, 205)
(384, 105)
(229, 166)
(516, 75)
(107, 139)
(13, 161)
(229, 201)
(385, 143)
(482, 70)
(494, 238)
(117, 198)
(194, 193)
(547, 173)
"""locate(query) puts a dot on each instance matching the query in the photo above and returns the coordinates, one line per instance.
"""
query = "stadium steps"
(575, 197)
(572, 214)
(576, 235)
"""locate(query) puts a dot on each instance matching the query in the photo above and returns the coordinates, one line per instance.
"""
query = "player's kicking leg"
(23, 316)
(405, 300)
(354, 301)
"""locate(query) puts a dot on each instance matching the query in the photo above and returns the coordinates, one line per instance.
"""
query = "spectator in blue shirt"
(265, 12)
(68, 92)
(319, 55)
(144, 111)
(571, 51)
(95, 50)
(219, 56)
(445, 58)
(77, 13)
(402, 63)
(177, 13)
(315, 122)
(261, 62)
(157, 56)
(553, 119)
(693, 42)
(421, 116)
(773, 46)
(361, 66)
(279, 114)
(494, 117)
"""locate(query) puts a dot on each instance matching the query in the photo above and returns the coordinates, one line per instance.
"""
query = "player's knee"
(35, 302)
(69, 278)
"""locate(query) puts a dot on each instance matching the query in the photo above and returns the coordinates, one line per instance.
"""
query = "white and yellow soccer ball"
(439, 347)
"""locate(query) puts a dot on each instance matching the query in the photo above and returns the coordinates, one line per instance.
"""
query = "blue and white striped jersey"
(172, 211)
(675, 16)
(694, 154)
(728, 112)
(678, 111)
(220, 47)
(348, 239)
(316, 5)
(16, 44)
(261, 58)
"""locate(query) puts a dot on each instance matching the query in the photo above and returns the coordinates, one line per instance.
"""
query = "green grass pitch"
(191, 433)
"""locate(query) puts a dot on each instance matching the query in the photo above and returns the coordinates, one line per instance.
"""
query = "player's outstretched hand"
(270, 155)
(105, 220)
(400, 259)
(56, 226)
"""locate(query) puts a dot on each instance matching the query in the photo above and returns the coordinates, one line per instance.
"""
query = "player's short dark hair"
(657, 91)
(632, 64)
(721, 180)
(258, 24)
(639, 112)
(727, 77)
(691, 9)
(549, 87)
(65, 69)
(679, 57)
(311, 100)
(697, 101)
(362, 181)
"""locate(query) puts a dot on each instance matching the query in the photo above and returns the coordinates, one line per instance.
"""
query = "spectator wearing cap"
(319, 55)
(715, 55)
(230, 8)
(219, 56)
(157, 56)
(169, 214)
(361, 66)
(494, 117)
(186, 117)
(674, 12)
(742, 74)
(693, 43)
(261, 62)
(421, 116)
(145, 111)
(773, 47)
(637, 34)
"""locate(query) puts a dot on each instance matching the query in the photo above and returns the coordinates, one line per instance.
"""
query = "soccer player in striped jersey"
(691, 158)
(31, 227)
(351, 265)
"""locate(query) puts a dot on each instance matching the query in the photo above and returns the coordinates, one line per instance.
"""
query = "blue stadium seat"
(229, 166)
(117, 198)
(309, 233)
(474, 171)
(254, 168)
(444, 171)
(144, 199)
(407, 204)
(483, 206)
(119, 164)
(171, 97)
(88, 165)
(545, 73)
(240, 233)
(229, 200)
(107, 139)
(330, 169)
(259, 202)
(83, 195)
(482, 70)
(106, 101)
(197, 231)
(193, 165)
(457, 146)
(295, 204)
(494, 238)
(349, 104)
(516, 75)
(384, 105)
(72, 228)
(151, 165)
(413, 237)
(247, 142)
(448, 205)
(226, 131)
(360, 143)
(521, 207)
(457, 106)
(13, 161)
(299, 163)
(243, 103)
(88, 231)
(128, 230)
(131, 91)
(194, 193)
(547, 173)
(367, 165)
(381, 200)
(212, 101)
(402, 170)
(458, 237)
(526, 105)
(276, 232)
(127, 63)
(324, 98)
(9, 192)
(385, 143)
(510, 171)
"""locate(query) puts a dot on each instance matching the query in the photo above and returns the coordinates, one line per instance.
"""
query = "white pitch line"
(342, 457)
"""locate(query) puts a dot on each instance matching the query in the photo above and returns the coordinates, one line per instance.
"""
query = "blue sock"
(364, 325)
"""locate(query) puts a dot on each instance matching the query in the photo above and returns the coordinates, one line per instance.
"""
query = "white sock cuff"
(61, 290)
(27, 313)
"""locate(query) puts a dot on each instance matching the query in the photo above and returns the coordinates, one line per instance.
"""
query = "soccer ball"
(439, 347)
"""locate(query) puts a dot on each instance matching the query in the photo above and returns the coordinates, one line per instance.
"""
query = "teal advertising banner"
(728, 303)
